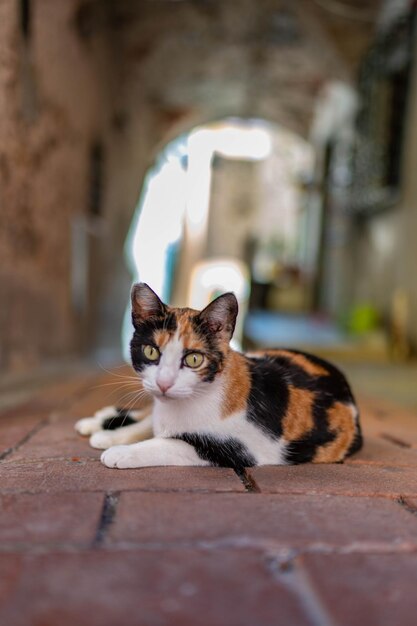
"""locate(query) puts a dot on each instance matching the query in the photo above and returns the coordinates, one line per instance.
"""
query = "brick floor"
(382, 586)
(148, 587)
(314, 545)
(77, 474)
(348, 479)
(49, 518)
(237, 519)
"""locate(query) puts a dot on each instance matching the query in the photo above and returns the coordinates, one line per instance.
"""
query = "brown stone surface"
(177, 587)
(310, 544)
(45, 403)
(388, 419)
(49, 518)
(366, 589)
(341, 479)
(14, 431)
(382, 451)
(261, 519)
(76, 474)
(410, 504)
(59, 395)
(56, 440)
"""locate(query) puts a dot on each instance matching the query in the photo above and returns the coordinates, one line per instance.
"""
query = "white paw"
(90, 425)
(87, 426)
(102, 439)
(122, 457)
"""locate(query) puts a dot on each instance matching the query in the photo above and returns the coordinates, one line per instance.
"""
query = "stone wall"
(49, 115)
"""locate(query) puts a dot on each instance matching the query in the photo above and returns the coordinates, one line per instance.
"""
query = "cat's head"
(179, 352)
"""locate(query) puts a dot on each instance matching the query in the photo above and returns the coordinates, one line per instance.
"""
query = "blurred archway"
(230, 192)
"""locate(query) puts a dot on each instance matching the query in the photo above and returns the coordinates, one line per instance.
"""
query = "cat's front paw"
(90, 425)
(87, 426)
(102, 439)
(122, 457)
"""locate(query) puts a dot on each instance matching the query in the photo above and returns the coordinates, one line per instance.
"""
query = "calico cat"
(215, 406)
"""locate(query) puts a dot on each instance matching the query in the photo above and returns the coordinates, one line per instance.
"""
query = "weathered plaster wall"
(50, 111)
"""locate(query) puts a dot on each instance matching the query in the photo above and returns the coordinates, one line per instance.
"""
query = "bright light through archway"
(251, 141)
(176, 198)
(171, 191)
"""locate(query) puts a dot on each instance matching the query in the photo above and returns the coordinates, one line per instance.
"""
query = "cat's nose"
(164, 386)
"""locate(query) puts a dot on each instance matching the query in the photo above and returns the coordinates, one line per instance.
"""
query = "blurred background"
(267, 147)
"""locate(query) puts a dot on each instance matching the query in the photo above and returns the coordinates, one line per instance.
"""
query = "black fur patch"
(268, 400)
(328, 389)
(289, 371)
(221, 453)
(268, 397)
(122, 418)
(334, 384)
(357, 443)
(143, 335)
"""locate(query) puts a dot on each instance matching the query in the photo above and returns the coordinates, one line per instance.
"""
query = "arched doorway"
(231, 190)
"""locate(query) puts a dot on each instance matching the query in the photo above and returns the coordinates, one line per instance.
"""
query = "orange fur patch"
(342, 423)
(190, 339)
(298, 421)
(237, 385)
(162, 337)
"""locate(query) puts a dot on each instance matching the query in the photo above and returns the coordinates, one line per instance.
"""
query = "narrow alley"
(262, 147)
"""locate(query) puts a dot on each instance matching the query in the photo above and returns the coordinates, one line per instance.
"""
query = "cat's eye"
(194, 359)
(151, 353)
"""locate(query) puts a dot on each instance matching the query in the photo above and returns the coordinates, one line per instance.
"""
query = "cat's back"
(301, 369)
(306, 401)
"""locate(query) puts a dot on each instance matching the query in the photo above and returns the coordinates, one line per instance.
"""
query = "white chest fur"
(196, 414)
(203, 416)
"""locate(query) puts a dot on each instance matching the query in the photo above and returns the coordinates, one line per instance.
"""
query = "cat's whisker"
(117, 382)
(140, 392)
(133, 402)
(118, 367)
(132, 379)
(128, 395)
(125, 378)
(111, 393)
(136, 397)
(121, 386)
(115, 373)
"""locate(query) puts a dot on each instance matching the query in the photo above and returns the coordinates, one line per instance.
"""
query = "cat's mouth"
(170, 395)
(163, 395)
(166, 395)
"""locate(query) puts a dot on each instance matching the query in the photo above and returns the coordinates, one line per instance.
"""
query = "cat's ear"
(145, 303)
(220, 316)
